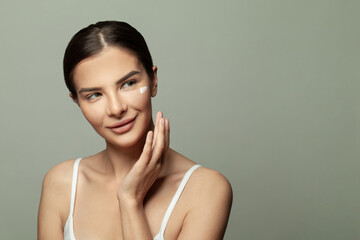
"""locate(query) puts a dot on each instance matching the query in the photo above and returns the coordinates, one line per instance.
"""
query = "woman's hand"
(146, 170)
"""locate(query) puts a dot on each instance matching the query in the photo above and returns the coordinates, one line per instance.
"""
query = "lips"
(123, 126)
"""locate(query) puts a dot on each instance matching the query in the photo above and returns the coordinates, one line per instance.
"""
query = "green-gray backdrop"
(266, 92)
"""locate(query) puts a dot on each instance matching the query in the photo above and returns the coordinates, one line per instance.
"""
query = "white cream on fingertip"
(143, 89)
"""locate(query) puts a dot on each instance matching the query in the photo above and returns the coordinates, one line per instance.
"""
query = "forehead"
(110, 64)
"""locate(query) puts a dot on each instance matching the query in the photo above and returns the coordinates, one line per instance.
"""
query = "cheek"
(139, 98)
(93, 114)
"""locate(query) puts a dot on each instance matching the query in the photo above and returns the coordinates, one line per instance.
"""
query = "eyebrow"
(117, 82)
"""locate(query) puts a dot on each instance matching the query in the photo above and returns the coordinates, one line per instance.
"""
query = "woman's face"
(114, 94)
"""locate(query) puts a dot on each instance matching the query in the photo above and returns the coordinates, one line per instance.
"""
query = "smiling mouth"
(123, 126)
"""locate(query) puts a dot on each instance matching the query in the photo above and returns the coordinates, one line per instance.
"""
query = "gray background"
(266, 92)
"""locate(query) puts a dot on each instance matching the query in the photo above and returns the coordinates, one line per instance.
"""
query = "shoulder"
(56, 189)
(208, 182)
(203, 180)
(55, 201)
(209, 199)
(59, 175)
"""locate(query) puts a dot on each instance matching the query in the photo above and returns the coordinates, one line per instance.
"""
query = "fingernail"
(162, 121)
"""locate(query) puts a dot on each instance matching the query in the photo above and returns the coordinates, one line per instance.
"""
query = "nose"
(116, 107)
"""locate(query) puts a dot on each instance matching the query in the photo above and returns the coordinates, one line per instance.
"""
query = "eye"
(129, 83)
(93, 96)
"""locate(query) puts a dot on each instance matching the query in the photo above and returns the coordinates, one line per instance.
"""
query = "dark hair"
(94, 38)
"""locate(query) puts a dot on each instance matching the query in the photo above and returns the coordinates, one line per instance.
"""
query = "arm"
(133, 220)
(139, 180)
(49, 220)
(209, 213)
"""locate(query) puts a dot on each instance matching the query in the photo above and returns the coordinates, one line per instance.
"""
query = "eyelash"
(132, 82)
(90, 96)
(128, 82)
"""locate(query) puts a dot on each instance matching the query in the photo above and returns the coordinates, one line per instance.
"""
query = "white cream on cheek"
(143, 89)
(136, 97)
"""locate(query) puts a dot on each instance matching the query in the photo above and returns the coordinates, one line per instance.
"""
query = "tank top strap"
(73, 184)
(175, 199)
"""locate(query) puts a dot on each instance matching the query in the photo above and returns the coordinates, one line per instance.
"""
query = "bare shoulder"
(203, 180)
(209, 197)
(56, 191)
(208, 182)
(59, 176)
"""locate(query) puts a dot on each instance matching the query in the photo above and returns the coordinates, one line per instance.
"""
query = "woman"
(131, 189)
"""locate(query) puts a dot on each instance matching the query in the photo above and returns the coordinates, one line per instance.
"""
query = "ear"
(154, 82)
(74, 99)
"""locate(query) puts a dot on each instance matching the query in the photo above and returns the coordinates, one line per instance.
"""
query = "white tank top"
(69, 225)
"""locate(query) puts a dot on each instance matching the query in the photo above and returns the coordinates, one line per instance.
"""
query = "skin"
(124, 190)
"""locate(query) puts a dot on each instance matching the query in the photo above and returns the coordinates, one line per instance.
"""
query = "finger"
(160, 144)
(156, 129)
(159, 116)
(167, 139)
(167, 133)
(147, 150)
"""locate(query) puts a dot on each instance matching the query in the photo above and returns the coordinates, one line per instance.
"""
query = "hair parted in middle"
(93, 39)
